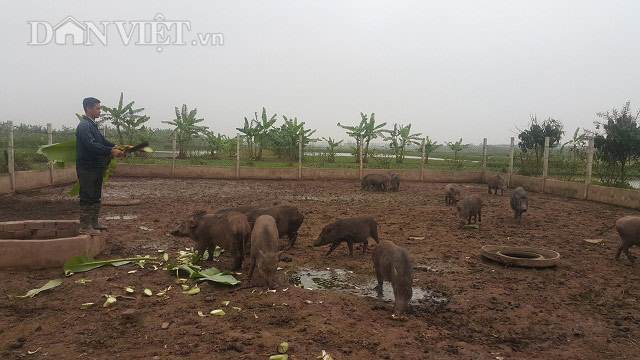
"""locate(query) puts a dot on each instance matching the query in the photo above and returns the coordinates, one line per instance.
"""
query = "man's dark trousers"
(90, 186)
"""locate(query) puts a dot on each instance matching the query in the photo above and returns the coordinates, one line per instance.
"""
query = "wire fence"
(223, 151)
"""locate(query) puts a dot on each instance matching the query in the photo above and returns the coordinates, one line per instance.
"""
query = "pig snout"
(175, 232)
(319, 242)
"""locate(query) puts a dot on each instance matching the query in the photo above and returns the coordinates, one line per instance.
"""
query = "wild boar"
(352, 230)
(230, 231)
(243, 209)
(628, 228)
(519, 202)
(391, 263)
(395, 182)
(288, 219)
(497, 182)
(264, 249)
(451, 194)
(376, 181)
(470, 207)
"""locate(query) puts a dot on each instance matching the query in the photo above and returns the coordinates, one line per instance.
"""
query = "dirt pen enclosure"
(469, 307)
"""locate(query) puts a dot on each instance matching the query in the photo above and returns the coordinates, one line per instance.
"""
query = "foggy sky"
(469, 69)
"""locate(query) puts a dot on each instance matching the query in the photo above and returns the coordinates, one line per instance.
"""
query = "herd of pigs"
(257, 228)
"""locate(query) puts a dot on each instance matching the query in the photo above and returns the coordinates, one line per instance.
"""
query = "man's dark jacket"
(91, 146)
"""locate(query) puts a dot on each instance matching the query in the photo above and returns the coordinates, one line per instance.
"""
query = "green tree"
(532, 139)
(185, 125)
(125, 118)
(331, 148)
(284, 139)
(618, 144)
(251, 129)
(216, 143)
(572, 155)
(429, 147)
(399, 138)
(263, 129)
(457, 146)
(363, 133)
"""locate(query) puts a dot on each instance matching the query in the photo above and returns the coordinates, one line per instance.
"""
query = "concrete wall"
(529, 183)
(36, 179)
(26, 180)
(5, 184)
(564, 188)
(614, 196)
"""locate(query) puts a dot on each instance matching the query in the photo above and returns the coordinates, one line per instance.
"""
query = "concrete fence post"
(360, 154)
(300, 156)
(511, 150)
(545, 164)
(587, 179)
(424, 141)
(484, 154)
(238, 156)
(173, 153)
(11, 160)
(50, 141)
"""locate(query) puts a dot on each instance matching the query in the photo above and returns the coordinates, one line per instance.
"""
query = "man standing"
(91, 150)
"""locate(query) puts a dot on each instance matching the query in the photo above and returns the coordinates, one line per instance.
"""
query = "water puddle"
(347, 282)
(123, 217)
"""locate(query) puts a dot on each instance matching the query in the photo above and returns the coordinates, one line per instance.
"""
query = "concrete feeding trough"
(37, 244)
(521, 256)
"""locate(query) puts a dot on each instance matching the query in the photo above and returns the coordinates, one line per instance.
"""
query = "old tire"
(121, 202)
(521, 256)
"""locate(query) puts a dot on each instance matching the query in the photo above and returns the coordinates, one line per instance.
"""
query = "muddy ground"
(586, 308)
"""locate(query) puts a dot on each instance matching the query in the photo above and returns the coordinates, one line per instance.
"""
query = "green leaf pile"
(84, 263)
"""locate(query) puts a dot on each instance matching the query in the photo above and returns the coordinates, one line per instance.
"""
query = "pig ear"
(191, 223)
(279, 253)
(198, 214)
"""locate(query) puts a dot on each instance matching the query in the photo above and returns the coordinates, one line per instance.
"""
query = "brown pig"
(230, 231)
(391, 263)
(264, 249)
(628, 228)
(380, 182)
(352, 230)
(470, 207)
(288, 219)
(451, 194)
(497, 182)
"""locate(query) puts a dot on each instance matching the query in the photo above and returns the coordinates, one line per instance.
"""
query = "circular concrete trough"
(521, 256)
(37, 244)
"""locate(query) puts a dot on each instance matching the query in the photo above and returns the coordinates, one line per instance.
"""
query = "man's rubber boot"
(95, 215)
(85, 222)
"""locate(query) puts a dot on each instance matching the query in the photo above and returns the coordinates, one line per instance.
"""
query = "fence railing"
(19, 144)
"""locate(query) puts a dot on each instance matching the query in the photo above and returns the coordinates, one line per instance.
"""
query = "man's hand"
(117, 153)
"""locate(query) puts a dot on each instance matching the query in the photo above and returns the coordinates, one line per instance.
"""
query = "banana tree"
(429, 147)
(371, 131)
(251, 129)
(356, 132)
(457, 147)
(285, 138)
(262, 130)
(363, 133)
(216, 143)
(125, 118)
(331, 149)
(399, 138)
(186, 127)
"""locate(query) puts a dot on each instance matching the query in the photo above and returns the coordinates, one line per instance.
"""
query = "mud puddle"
(348, 282)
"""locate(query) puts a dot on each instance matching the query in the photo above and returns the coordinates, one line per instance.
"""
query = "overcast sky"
(453, 69)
